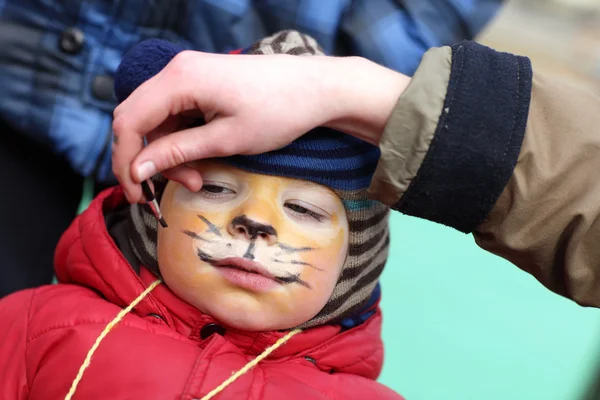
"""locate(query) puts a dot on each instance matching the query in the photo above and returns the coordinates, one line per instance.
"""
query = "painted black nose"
(251, 230)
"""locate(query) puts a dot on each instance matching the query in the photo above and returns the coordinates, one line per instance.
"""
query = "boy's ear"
(142, 62)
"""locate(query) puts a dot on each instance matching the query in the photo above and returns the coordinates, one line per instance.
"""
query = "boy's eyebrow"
(301, 182)
(323, 191)
(311, 185)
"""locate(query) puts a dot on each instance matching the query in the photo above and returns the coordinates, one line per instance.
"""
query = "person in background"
(57, 66)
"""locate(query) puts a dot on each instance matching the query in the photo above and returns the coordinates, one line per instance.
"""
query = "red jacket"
(156, 351)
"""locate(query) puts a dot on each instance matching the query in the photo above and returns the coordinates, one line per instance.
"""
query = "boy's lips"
(245, 265)
(245, 273)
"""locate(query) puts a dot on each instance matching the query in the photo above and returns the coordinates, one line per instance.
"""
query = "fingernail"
(146, 170)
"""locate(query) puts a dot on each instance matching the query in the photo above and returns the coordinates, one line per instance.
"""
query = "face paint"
(256, 252)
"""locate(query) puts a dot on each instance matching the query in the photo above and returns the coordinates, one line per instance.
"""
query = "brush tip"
(163, 223)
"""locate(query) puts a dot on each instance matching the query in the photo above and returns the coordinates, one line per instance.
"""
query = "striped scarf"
(330, 158)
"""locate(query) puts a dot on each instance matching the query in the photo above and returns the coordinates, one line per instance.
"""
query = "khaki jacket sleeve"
(547, 219)
(544, 214)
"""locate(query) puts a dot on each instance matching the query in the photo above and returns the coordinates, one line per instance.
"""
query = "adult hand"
(251, 104)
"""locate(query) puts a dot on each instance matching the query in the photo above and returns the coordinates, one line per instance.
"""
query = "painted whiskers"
(272, 258)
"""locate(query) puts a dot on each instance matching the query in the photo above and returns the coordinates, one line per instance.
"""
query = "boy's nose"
(244, 227)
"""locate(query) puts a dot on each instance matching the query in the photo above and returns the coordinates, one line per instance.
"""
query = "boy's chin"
(243, 310)
(251, 319)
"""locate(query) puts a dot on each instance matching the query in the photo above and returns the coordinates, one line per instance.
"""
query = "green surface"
(460, 323)
(87, 195)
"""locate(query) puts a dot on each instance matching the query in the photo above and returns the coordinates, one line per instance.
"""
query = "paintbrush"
(153, 203)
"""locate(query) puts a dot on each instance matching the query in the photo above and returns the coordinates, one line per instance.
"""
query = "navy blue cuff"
(477, 141)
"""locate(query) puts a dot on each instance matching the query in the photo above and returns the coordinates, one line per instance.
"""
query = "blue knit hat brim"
(322, 156)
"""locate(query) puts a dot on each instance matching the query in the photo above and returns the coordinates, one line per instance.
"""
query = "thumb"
(215, 139)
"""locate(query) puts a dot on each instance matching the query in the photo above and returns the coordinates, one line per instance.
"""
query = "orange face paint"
(256, 252)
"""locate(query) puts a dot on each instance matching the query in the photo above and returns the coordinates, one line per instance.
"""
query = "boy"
(276, 259)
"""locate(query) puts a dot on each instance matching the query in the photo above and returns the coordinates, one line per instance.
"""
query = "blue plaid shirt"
(58, 57)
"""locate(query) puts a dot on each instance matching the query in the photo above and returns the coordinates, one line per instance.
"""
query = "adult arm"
(476, 141)
(481, 143)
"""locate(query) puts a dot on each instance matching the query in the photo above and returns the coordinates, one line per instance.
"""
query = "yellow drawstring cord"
(214, 392)
(111, 324)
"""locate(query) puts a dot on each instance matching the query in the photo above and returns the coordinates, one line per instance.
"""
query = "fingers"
(187, 176)
(127, 147)
(124, 149)
(184, 174)
(219, 138)
(165, 94)
(171, 124)
(145, 110)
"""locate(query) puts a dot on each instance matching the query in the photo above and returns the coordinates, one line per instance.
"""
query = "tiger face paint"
(256, 252)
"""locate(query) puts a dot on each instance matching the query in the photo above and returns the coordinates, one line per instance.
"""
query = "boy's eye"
(303, 212)
(214, 191)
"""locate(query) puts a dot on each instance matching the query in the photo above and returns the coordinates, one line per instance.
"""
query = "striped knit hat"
(327, 157)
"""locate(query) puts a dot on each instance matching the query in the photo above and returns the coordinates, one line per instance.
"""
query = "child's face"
(256, 252)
